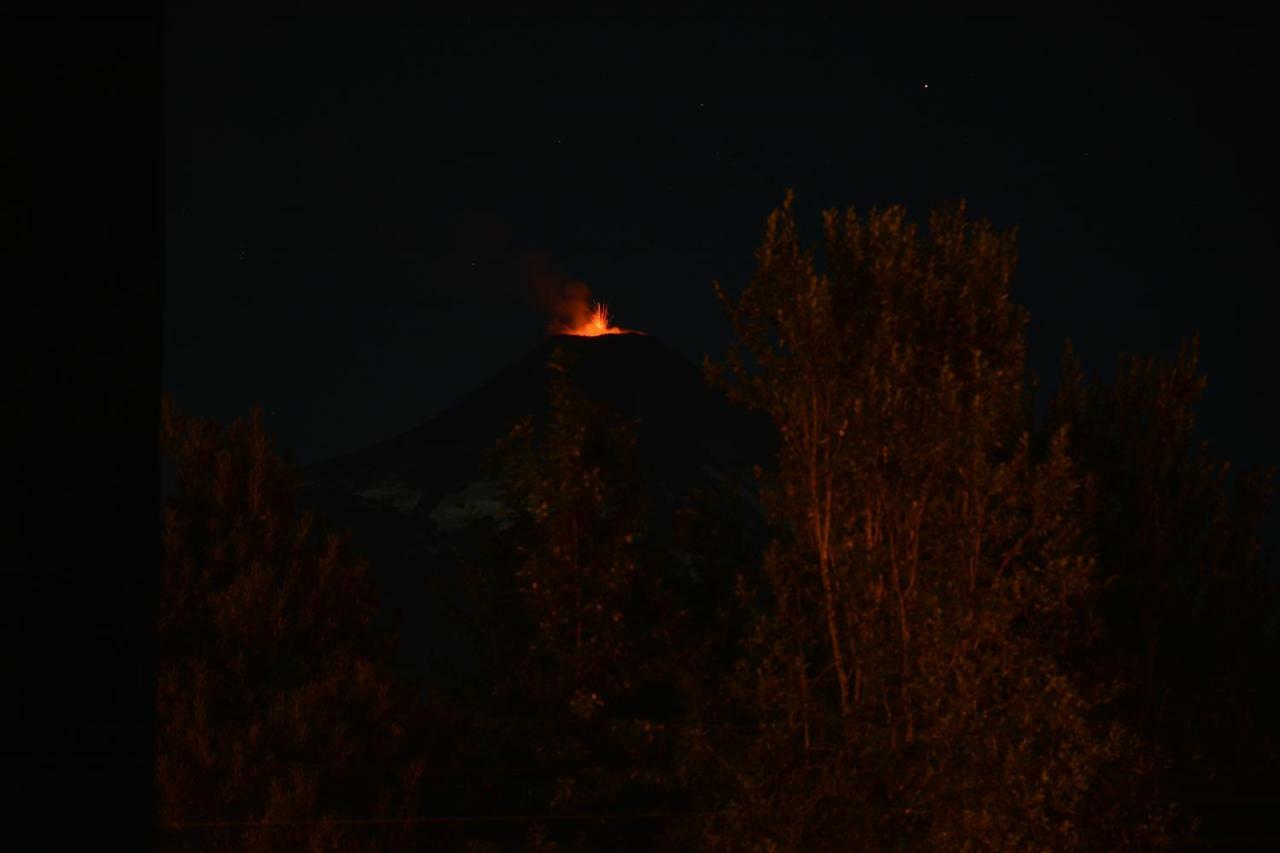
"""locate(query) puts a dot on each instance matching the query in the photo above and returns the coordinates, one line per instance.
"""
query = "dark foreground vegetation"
(970, 629)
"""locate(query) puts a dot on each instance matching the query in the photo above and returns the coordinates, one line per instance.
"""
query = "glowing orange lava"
(595, 324)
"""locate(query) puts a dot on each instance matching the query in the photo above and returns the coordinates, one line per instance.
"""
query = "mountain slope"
(404, 497)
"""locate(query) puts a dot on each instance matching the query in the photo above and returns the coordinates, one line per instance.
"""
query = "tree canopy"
(278, 716)
(929, 573)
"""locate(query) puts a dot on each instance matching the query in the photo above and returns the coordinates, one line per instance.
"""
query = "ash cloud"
(565, 301)
(484, 264)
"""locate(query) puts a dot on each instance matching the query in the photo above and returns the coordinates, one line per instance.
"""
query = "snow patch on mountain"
(395, 495)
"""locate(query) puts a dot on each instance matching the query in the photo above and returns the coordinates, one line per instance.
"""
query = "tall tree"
(278, 718)
(906, 678)
(585, 629)
(1188, 610)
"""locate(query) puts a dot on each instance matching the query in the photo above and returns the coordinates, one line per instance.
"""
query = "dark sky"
(359, 209)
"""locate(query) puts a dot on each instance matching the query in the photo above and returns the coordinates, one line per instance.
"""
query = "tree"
(578, 521)
(906, 680)
(277, 715)
(1188, 611)
(582, 626)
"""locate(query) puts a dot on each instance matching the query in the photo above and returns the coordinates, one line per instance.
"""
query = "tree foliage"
(582, 696)
(1188, 610)
(908, 678)
(278, 716)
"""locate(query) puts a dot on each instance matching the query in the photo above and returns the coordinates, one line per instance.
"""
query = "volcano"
(403, 498)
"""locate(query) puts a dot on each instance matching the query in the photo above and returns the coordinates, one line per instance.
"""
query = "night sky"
(361, 213)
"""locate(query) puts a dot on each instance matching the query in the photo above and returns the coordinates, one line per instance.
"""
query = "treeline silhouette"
(971, 628)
